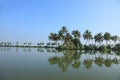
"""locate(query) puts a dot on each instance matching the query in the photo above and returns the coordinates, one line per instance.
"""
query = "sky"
(33, 20)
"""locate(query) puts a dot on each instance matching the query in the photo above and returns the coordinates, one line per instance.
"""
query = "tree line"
(28, 44)
(17, 44)
(72, 40)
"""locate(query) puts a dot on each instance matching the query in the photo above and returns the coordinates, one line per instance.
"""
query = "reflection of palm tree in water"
(107, 62)
(88, 63)
(70, 57)
(73, 58)
(99, 61)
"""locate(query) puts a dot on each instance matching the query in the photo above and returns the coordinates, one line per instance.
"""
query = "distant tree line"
(29, 44)
(17, 44)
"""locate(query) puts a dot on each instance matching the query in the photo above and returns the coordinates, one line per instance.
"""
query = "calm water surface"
(49, 64)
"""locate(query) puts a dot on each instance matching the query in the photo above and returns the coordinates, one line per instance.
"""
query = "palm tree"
(98, 38)
(119, 39)
(76, 34)
(76, 40)
(29, 44)
(107, 37)
(87, 36)
(17, 43)
(68, 39)
(51, 36)
(38, 44)
(115, 38)
(54, 37)
(25, 43)
(64, 30)
(62, 33)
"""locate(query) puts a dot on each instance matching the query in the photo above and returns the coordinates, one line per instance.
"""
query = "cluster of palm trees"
(5, 44)
(9, 44)
(67, 39)
(64, 37)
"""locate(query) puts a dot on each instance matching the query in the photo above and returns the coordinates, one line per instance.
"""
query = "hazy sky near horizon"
(33, 20)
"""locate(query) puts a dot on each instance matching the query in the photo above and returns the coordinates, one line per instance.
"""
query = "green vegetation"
(74, 58)
(72, 41)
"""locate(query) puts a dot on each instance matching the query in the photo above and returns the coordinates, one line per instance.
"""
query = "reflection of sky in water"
(35, 64)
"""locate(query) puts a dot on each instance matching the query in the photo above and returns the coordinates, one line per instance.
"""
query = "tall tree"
(115, 38)
(17, 43)
(64, 29)
(76, 34)
(107, 37)
(63, 32)
(60, 35)
(68, 39)
(87, 36)
(54, 37)
(51, 36)
(98, 38)
(76, 40)
(25, 43)
(29, 44)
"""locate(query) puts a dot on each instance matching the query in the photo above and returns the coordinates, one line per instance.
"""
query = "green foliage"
(98, 38)
(103, 49)
(107, 36)
(117, 47)
(87, 36)
(90, 47)
(76, 34)
(72, 41)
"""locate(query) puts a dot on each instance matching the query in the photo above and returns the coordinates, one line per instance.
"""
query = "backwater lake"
(50, 64)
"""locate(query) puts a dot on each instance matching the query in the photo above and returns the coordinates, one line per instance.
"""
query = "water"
(49, 64)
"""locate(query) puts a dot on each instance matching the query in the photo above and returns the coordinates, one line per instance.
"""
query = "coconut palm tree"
(64, 30)
(115, 38)
(25, 43)
(98, 38)
(62, 33)
(51, 36)
(17, 43)
(87, 36)
(29, 44)
(54, 37)
(38, 44)
(68, 38)
(76, 34)
(107, 37)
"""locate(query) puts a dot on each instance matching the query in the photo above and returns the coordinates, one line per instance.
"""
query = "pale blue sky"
(33, 20)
